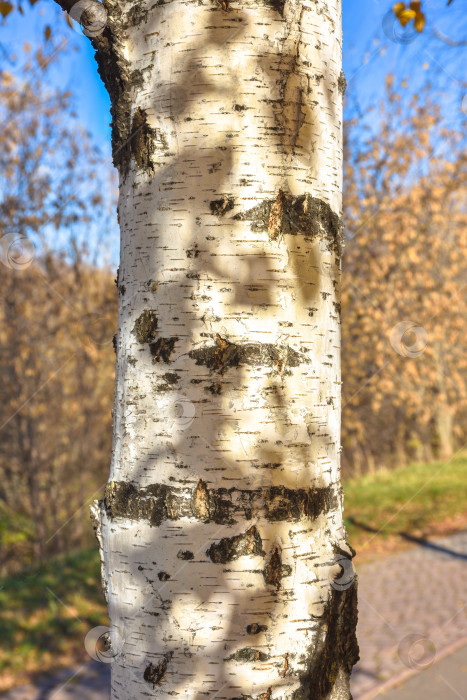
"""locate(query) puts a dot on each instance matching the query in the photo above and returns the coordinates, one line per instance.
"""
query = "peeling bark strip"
(160, 502)
(225, 354)
(230, 548)
(276, 214)
(200, 501)
(292, 215)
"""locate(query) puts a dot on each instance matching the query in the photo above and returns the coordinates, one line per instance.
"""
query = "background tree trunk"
(225, 558)
(443, 414)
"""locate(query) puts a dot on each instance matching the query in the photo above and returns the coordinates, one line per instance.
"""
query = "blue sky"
(368, 54)
(373, 47)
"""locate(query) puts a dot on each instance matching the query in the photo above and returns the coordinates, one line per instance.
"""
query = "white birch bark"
(225, 558)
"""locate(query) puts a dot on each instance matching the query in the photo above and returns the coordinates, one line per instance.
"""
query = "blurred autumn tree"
(404, 306)
(404, 303)
(57, 315)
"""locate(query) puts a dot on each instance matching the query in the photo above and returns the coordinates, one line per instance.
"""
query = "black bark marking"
(331, 661)
(136, 15)
(224, 354)
(146, 327)
(341, 83)
(343, 549)
(142, 141)
(277, 5)
(162, 349)
(218, 357)
(255, 628)
(163, 576)
(185, 555)
(215, 389)
(248, 655)
(219, 207)
(121, 287)
(156, 674)
(159, 502)
(273, 571)
(119, 81)
(192, 252)
(230, 548)
(155, 503)
(269, 465)
(291, 215)
(291, 504)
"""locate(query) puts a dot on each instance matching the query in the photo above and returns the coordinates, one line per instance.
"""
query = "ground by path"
(412, 607)
(445, 679)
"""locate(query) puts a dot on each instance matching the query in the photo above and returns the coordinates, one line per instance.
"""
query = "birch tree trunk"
(225, 558)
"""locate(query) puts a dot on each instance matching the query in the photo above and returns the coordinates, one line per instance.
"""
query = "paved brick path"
(411, 606)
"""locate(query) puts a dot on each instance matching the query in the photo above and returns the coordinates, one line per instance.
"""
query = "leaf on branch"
(413, 11)
(47, 32)
(405, 17)
(419, 22)
(5, 8)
